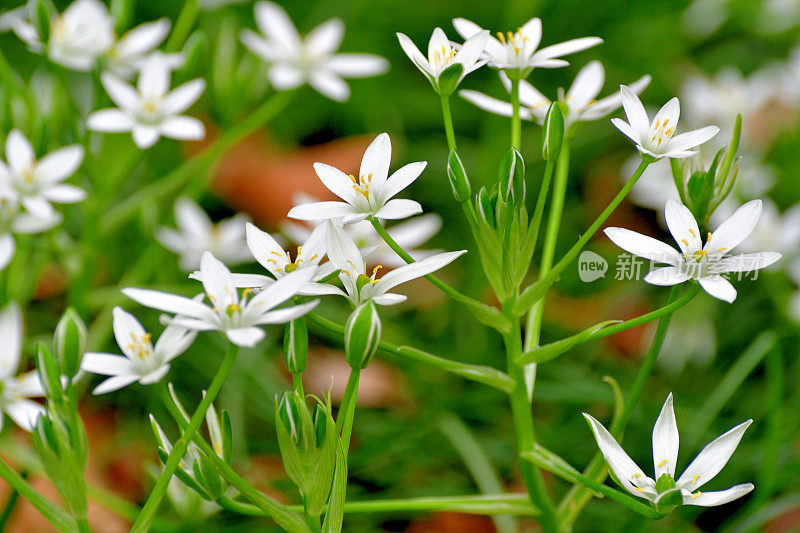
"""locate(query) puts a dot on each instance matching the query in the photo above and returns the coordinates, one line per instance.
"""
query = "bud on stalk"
(553, 133)
(512, 178)
(69, 342)
(362, 334)
(458, 177)
(295, 345)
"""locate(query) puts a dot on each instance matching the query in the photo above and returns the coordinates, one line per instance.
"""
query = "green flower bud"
(49, 373)
(553, 133)
(362, 334)
(289, 416)
(512, 178)
(69, 342)
(448, 79)
(458, 177)
(295, 345)
(486, 207)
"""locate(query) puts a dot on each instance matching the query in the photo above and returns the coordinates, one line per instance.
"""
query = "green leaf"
(334, 515)
(554, 349)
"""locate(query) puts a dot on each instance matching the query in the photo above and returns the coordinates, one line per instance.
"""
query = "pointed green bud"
(69, 342)
(553, 133)
(289, 415)
(49, 373)
(449, 79)
(39, 14)
(512, 178)
(486, 207)
(320, 423)
(295, 345)
(210, 476)
(458, 177)
(362, 334)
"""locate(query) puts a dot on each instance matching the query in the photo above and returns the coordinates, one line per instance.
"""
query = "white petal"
(284, 76)
(191, 219)
(247, 337)
(389, 298)
(174, 340)
(264, 248)
(342, 251)
(169, 303)
(154, 376)
(11, 333)
(325, 38)
(154, 78)
(719, 288)
(626, 129)
(400, 179)
(329, 84)
(683, 226)
(414, 54)
(665, 441)
(414, 232)
(533, 31)
(606, 105)
(399, 208)
(145, 136)
(127, 329)
(280, 291)
(259, 46)
(668, 276)
(24, 412)
(321, 211)
(59, 165)
(567, 47)
(488, 103)
(377, 159)
(415, 270)
(735, 229)
(471, 51)
(182, 97)
(19, 151)
(634, 110)
(106, 364)
(691, 139)
(745, 262)
(287, 314)
(668, 114)
(7, 247)
(120, 92)
(275, 24)
(314, 245)
(183, 128)
(619, 462)
(466, 28)
(111, 120)
(64, 194)
(29, 385)
(143, 38)
(115, 383)
(712, 459)
(357, 65)
(38, 206)
(644, 246)
(719, 497)
(217, 282)
(336, 181)
(587, 85)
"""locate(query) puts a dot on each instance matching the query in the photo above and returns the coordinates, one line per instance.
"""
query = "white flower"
(442, 55)
(518, 51)
(656, 140)
(579, 101)
(360, 287)
(369, 193)
(34, 183)
(84, 35)
(16, 391)
(706, 264)
(197, 234)
(151, 110)
(142, 361)
(295, 60)
(708, 463)
(237, 317)
(12, 220)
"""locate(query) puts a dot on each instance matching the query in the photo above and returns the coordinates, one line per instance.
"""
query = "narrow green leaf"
(554, 349)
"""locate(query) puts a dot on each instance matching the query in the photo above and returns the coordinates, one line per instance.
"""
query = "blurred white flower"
(13, 220)
(580, 100)
(34, 183)
(142, 361)
(196, 234)
(690, 340)
(708, 463)
(360, 287)
(16, 391)
(370, 193)
(150, 110)
(518, 51)
(442, 55)
(237, 317)
(83, 38)
(706, 264)
(657, 139)
(294, 60)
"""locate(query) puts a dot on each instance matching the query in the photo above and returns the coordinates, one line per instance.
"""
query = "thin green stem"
(193, 169)
(577, 497)
(534, 292)
(347, 411)
(183, 25)
(57, 517)
(526, 440)
(516, 122)
(297, 383)
(448, 123)
(11, 503)
(482, 374)
(541, 200)
(179, 450)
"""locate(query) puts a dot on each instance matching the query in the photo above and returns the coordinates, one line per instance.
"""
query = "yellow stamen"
(696, 494)
(662, 463)
(693, 233)
(695, 478)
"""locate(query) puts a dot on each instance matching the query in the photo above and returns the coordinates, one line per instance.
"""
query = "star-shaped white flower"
(150, 110)
(34, 183)
(708, 463)
(360, 287)
(658, 139)
(238, 317)
(196, 234)
(704, 263)
(141, 360)
(442, 55)
(83, 38)
(579, 101)
(518, 51)
(368, 194)
(16, 391)
(295, 60)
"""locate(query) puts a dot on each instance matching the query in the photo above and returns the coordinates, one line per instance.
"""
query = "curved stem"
(448, 123)
(179, 450)
(516, 122)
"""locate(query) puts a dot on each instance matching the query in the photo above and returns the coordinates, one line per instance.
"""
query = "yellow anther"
(351, 264)
(639, 489)
(273, 252)
(346, 272)
(695, 478)
(656, 124)
(662, 463)
(147, 337)
(721, 249)
(684, 241)
(375, 270)
(501, 37)
(693, 233)
(272, 261)
(696, 494)
(668, 132)
(709, 236)
(666, 121)
(232, 308)
(313, 257)
(217, 447)
(637, 474)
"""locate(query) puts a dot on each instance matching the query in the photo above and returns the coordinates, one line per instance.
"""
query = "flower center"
(442, 58)
(362, 184)
(515, 41)
(661, 132)
(141, 346)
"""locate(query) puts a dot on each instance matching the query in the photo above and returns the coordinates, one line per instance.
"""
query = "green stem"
(347, 411)
(577, 497)
(516, 122)
(534, 292)
(526, 440)
(183, 25)
(541, 200)
(448, 123)
(54, 514)
(297, 383)
(11, 503)
(487, 314)
(192, 170)
(179, 450)
(482, 374)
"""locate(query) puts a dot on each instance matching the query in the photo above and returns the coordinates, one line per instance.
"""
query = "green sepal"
(49, 373)
(666, 502)
(449, 79)
(40, 13)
